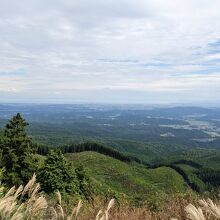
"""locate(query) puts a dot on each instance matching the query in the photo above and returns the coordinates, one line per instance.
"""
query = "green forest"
(92, 171)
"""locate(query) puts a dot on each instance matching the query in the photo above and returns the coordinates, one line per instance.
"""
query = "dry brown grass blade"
(18, 191)
(61, 212)
(194, 213)
(211, 208)
(39, 205)
(29, 185)
(105, 216)
(110, 204)
(18, 213)
(35, 190)
(59, 197)
(98, 215)
(12, 208)
(75, 211)
(79, 206)
(10, 192)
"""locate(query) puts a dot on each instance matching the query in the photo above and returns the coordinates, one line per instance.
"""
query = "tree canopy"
(58, 174)
(17, 152)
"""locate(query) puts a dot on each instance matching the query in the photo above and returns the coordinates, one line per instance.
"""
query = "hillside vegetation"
(96, 173)
(132, 181)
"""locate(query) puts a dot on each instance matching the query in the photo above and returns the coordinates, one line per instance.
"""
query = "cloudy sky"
(120, 51)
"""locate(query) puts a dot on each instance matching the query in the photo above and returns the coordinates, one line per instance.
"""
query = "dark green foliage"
(16, 149)
(90, 146)
(42, 149)
(100, 148)
(19, 161)
(85, 186)
(188, 162)
(193, 179)
(196, 187)
(58, 174)
(210, 176)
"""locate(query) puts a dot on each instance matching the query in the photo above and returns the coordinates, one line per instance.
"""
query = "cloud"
(146, 47)
(215, 56)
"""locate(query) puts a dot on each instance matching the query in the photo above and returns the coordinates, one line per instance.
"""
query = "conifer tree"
(86, 188)
(58, 174)
(17, 157)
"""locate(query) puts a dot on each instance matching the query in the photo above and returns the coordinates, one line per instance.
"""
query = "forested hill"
(92, 146)
(196, 176)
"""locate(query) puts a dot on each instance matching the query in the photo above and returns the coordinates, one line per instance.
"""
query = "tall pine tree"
(17, 157)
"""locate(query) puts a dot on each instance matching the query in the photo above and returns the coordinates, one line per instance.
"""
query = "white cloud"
(213, 56)
(151, 46)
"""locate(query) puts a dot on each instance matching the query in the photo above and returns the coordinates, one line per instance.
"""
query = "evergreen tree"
(86, 188)
(58, 174)
(16, 149)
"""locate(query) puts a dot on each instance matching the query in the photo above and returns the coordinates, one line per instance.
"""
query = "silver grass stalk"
(29, 185)
(210, 207)
(35, 190)
(98, 214)
(61, 212)
(39, 205)
(18, 191)
(78, 208)
(75, 211)
(194, 213)
(106, 212)
(10, 192)
(59, 197)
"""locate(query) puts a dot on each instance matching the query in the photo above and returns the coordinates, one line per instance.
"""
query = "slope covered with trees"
(91, 169)
(19, 162)
(133, 182)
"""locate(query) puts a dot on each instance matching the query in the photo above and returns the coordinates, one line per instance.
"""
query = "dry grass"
(29, 203)
(12, 207)
(206, 210)
(174, 208)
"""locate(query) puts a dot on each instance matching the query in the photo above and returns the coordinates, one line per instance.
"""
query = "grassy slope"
(133, 181)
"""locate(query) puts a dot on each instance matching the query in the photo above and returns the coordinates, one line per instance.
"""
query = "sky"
(110, 51)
